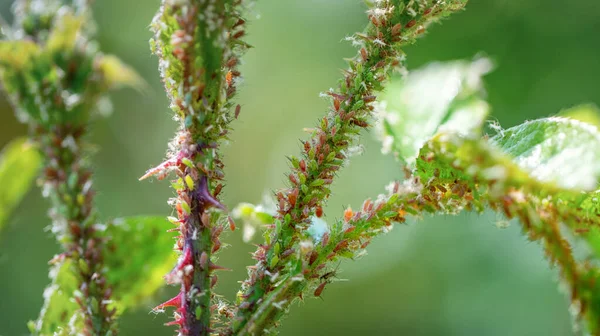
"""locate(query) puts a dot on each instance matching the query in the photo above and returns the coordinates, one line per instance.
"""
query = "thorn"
(158, 169)
(205, 195)
(174, 302)
(215, 267)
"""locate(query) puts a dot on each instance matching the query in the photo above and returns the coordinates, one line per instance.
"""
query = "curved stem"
(392, 25)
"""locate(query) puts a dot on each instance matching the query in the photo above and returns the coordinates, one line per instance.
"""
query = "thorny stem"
(58, 127)
(198, 44)
(67, 181)
(393, 24)
(349, 237)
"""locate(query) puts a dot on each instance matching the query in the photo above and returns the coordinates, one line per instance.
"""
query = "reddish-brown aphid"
(349, 229)
(360, 123)
(325, 239)
(364, 55)
(239, 23)
(232, 62)
(319, 211)
(302, 165)
(368, 99)
(306, 146)
(336, 104)
(293, 179)
(319, 289)
(427, 11)
(341, 245)
(313, 257)
(411, 23)
(231, 223)
(374, 20)
(239, 34)
(287, 252)
(238, 108)
(218, 189)
(292, 197)
(396, 29)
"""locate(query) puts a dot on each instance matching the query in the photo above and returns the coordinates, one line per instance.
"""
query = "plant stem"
(58, 109)
(198, 44)
(67, 181)
(393, 24)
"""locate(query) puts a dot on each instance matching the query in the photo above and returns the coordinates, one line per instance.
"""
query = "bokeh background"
(444, 276)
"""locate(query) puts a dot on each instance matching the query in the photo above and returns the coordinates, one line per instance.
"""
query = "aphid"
(302, 165)
(313, 257)
(229, 78)
(239, 34)
(306, 146)
(203, 260)
(319, 211)
(364, 55)
(320, 289)
(231, 223)
(348, 214)
(238, 108)
(336, 104)
(325, 239)
(292, 197)
(374, 20)
(411, 23)
(341, 245)
(396, 29)
(368, 99)
(232, 62)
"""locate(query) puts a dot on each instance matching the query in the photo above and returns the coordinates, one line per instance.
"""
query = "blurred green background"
(444, 276)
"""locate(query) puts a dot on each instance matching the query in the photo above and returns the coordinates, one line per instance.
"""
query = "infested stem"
(198, 45)
(67, 181)
(393, 24)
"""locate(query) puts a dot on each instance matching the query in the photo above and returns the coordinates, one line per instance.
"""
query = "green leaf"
(588, 113)
(60, 313)
(117, 73)
(139, 254)
(19, 165)
(561, 151)
(442, 97)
